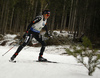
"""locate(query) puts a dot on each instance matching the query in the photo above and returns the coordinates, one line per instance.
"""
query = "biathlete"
(33, 30)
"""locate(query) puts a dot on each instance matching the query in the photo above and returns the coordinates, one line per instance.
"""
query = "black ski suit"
(33, 30)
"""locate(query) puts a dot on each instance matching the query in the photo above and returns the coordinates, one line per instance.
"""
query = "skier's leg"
(27, 39)
(42, 48)
(40, 58)
(39, 39)
(18, 50)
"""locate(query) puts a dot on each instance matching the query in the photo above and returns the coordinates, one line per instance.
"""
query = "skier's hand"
(49, 36)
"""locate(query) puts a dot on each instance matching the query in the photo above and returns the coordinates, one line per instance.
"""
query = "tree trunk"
(70, 19)
(65, 19)
(5, 29)
(2, 14)
(85, 17)
(52, 24)
(74, 20)
(11, 19)
(5, 17)
(35, 8)
(62, 21)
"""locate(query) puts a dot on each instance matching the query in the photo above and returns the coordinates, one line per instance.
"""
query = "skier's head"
(46, 13)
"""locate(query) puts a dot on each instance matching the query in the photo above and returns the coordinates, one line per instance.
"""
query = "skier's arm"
(46, 30)
(37, 19)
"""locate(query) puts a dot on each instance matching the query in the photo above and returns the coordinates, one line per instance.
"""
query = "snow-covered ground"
(27, 67)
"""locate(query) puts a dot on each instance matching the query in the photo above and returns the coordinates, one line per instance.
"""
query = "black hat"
(46, 12)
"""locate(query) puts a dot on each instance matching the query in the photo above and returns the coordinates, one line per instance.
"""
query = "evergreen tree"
(86, 55)
(79, 16)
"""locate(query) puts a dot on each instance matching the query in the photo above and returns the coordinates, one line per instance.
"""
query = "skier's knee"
(24, 44)
(43, 46)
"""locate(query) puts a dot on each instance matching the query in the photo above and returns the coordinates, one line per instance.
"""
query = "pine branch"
(83, 63)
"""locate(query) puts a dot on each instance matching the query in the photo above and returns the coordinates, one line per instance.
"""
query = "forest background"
(78, 17)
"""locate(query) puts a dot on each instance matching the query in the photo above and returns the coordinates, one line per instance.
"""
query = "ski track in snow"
(27, 67)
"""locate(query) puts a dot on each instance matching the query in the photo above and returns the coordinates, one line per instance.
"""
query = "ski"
(36, 61)
(12, 61)
(47, 61)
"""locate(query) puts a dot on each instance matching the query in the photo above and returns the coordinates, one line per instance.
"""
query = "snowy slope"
(27, 67)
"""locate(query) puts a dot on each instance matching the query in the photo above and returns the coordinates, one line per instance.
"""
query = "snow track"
(26, 67)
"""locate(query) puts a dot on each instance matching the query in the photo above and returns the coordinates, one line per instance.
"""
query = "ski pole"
(12, 47)
(32, 46)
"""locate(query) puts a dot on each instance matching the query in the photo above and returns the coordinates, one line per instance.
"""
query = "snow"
(27, 67)
(9, 36)
(64, 33)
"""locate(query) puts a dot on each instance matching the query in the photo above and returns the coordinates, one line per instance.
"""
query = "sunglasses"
(47, 14)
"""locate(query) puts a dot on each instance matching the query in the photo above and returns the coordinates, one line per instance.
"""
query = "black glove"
(49, 36)
(26, 34)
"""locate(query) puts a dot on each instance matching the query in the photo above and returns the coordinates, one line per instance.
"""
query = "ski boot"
(42, 59)
(12, 59)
